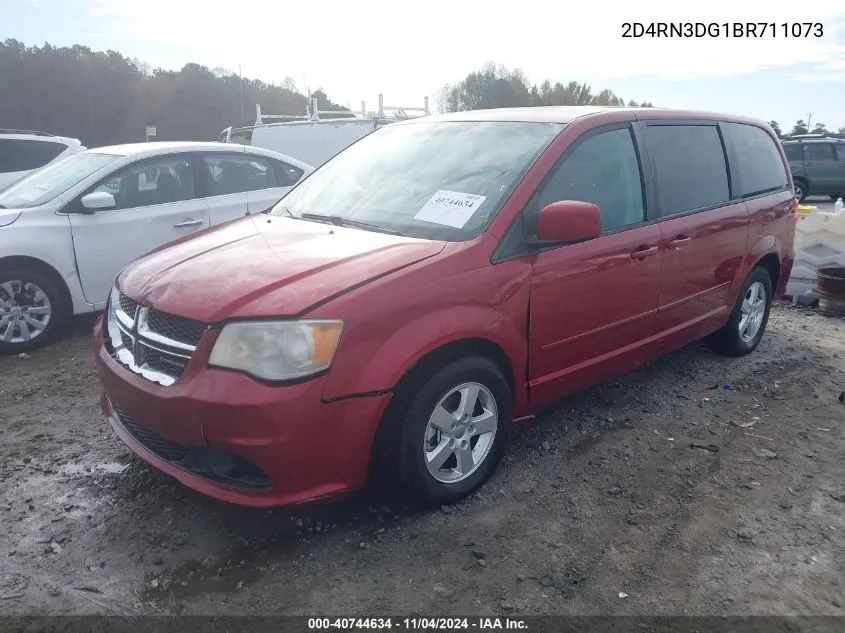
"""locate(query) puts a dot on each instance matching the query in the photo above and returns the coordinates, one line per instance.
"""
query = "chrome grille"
(154, 344)
(128, 306)
(175, 327)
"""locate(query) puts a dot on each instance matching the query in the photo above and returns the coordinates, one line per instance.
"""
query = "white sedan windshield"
(430, 180)
(53, 180)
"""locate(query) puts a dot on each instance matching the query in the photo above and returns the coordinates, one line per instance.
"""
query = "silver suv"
(23, 151)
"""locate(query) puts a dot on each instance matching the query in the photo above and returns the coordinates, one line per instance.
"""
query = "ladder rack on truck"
(243, 135)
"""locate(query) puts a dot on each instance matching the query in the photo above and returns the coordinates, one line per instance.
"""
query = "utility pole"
(241, 75)
(809, 122)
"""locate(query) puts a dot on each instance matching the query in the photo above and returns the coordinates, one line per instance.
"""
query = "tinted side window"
(604, 170)
(9, 158)
(38, 153)
(759, 167)
(840, 153)
(689, 165)
(236, 174)
(24, 155)
(819, 151)
(794, 152)
(287, 175)
(156, 181)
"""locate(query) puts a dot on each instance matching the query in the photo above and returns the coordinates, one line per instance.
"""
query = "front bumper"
(226, 435)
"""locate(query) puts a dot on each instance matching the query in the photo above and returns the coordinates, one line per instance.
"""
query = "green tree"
(776, 128)
(104, 97)
(497, 87)
(800, 127)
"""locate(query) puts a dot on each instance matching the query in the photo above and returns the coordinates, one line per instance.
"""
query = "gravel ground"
(601, 506)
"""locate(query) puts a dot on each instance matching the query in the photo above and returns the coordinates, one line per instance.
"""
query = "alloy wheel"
(752, 312)
(460, 432)
(25, 311)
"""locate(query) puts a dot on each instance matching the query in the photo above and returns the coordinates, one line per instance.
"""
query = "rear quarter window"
(758, 166)
(287, 175)
(689, 167)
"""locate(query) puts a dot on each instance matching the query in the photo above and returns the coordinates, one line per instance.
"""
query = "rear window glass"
(840, 153)
(759, 167)
(689, 167)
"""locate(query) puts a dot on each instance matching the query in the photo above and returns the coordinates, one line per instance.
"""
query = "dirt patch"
(601, 506)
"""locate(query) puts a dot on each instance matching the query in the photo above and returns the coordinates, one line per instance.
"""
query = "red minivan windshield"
(429, 180)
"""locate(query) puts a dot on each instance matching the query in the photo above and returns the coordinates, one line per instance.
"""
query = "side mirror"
(568, 221)
(98, 200)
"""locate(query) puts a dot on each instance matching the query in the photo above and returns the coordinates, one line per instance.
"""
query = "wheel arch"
(43, 268)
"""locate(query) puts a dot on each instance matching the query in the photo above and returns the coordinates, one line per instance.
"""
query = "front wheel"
(749, 317)
(455, 431)
(31, 310)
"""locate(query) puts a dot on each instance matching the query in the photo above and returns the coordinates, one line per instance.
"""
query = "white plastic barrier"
(819, 242)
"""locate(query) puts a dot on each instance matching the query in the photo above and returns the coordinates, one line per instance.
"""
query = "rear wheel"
(800, 187)
(453, 432)
(31, 310)
(750, 315)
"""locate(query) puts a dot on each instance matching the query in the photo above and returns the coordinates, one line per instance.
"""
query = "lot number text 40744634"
(723, 29)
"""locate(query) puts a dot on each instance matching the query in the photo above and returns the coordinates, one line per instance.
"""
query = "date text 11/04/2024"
(417, 624)
(723, 29)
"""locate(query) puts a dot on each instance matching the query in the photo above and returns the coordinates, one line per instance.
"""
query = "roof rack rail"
(817, 136)
(313, 113)
(33, 132)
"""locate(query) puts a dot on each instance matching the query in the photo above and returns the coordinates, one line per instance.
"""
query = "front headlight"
(277, 350)
(113, 302)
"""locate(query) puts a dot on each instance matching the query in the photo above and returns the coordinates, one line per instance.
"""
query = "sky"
(407, 51)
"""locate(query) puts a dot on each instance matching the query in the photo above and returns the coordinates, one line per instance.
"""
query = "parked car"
(818, 165)
(432, 284)
(67, 229)
(24, 151)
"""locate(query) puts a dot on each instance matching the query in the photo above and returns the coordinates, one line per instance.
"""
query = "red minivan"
(441, 279)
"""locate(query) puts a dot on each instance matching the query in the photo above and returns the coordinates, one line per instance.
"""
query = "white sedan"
(67, 229)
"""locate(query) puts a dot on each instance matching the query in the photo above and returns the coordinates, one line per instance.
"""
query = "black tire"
(801, 189)
(728, 340)
(59, 309)
(402, 466)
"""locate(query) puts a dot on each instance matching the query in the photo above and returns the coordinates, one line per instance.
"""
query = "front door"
(593, 304)
(155, 204)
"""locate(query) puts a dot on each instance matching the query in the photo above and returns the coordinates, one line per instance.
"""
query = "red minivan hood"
(260, 266)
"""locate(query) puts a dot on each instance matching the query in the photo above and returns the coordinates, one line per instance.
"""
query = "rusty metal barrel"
(830, 289)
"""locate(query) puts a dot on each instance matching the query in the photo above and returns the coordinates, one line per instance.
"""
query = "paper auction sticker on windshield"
(450, 208)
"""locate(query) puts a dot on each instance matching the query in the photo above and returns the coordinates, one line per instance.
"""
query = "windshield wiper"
(340, 221)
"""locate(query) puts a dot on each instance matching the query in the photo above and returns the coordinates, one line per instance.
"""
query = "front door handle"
(187, 223)
(644, 251)
(678, 242)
